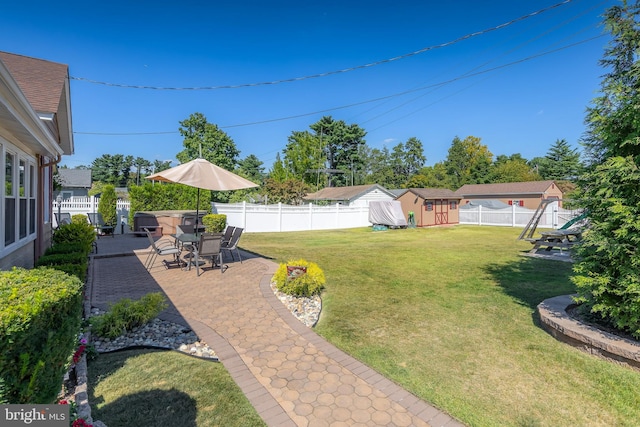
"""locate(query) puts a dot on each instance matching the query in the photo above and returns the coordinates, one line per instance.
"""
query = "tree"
(107, 205)
(141, 165)
(112, 169)
(377, 168)
(278, 172)
(206, 140)
(560, 163)
(468, 162)
(414, 157)
(514, 168)
(343, 145)
(304, 157)
(606, 273)
(251, 168)
(160, 165)
(431, 177)
(290, 191)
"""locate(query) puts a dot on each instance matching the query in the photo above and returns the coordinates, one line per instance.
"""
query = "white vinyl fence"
(515, 216)
(275, 218)
(85, 205)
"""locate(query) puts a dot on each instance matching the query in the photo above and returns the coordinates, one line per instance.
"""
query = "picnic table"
(561, 239)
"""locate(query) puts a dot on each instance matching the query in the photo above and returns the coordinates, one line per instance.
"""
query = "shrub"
(214, 223)
(79, 219)
(108, 204)
(40, 314)
(306, 284)
(65, 248)
(79, 233)
(127, 314)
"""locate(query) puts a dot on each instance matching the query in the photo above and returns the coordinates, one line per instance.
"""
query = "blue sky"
(522, 98)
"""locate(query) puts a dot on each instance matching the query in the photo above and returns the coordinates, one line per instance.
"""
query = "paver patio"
(291, 375)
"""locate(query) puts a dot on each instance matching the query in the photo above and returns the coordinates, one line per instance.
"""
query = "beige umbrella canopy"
(201, 173)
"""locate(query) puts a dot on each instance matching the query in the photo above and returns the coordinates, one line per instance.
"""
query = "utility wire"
(355, 104)
(345, 70)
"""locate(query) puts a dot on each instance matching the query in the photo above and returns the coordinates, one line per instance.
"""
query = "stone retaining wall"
(556, 321)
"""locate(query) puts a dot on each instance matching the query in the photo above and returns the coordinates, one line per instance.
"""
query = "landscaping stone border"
(556, 321)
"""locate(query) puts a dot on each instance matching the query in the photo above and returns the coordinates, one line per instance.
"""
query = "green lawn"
(449, 313)
(158, 388)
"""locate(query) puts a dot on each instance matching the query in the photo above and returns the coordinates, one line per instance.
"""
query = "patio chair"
(95, 219)
(209, 246)
(62, 219)
(165, 248)
(228, 233)
(232, 244)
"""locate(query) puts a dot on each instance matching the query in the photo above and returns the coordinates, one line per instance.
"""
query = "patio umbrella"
(201, 173)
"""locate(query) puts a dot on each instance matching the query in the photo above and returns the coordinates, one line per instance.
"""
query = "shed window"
(453, 205)
(428, 206)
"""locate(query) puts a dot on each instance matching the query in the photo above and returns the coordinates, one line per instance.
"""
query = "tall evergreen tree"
(606, 274)
(561, 162)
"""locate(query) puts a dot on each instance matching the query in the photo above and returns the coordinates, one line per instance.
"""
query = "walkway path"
(292, 376)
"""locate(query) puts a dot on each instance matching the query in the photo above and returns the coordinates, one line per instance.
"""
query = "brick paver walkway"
(292, 376)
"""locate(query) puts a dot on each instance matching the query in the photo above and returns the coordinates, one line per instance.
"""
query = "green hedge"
(166, 196)
(40, 315)
(79, 233)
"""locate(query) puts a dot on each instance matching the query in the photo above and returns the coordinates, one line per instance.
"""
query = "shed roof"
(506, 188)
(434, 193)
(75, 178)
(346, 193)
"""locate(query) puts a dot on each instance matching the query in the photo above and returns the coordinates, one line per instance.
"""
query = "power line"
(381, 98)
(329, 73)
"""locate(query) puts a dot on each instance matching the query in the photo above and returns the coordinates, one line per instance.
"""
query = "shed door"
(442, 212)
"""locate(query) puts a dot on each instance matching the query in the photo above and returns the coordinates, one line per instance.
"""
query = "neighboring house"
(526, 194)
(431, 206)
(357, 195)
(73, 183)
(35, 131)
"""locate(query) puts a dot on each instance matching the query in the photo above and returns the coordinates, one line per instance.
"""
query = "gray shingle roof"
(345, 193)
(75, 178)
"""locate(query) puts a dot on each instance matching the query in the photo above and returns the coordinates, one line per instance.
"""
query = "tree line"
(334, 153)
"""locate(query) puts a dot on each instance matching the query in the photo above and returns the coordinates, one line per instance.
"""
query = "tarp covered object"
(387, 213)
(489, 204)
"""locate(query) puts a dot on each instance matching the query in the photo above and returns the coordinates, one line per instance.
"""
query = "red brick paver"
(291, 375)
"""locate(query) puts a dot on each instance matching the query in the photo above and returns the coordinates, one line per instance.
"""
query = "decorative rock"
(306, 310)
(157, 333)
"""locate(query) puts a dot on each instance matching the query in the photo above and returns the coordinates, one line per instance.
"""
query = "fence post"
(244, 215)
(310, 216)
(513, 215)
(279, 216)
(479, 214)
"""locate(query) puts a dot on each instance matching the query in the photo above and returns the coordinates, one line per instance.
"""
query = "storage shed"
(525, 194)
(431, 206)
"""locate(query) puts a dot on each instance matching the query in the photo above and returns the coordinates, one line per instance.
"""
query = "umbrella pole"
(197, 210)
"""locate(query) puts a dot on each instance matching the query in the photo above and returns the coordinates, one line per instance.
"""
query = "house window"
(453, 205)
(22, 201)
(9, 199)
(32, 199)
